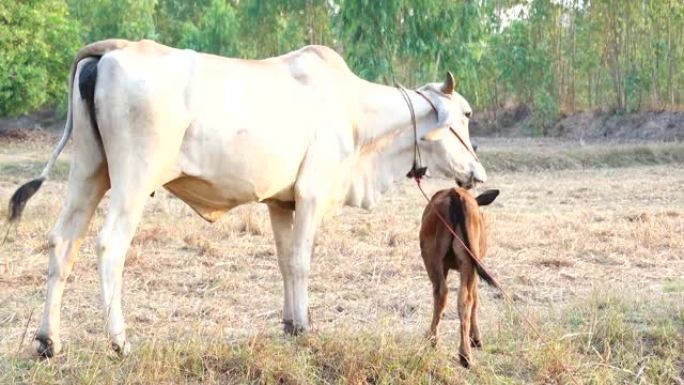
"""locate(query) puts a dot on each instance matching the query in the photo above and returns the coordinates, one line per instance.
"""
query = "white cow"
(299, 132)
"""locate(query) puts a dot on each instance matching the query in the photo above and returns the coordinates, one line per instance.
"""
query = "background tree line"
(554, 56)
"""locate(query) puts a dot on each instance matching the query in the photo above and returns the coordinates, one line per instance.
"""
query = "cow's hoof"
(122, 349)
(465, 361)
(293, 330)
(476, 343)
(46, 346)
(288, 327)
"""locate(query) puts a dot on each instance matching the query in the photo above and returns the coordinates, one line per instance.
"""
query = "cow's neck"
(385, 112)
(386, 142)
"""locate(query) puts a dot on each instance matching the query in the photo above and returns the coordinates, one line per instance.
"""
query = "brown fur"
(441, 253)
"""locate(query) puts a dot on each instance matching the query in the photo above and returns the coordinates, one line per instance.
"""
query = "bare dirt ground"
(594, 256)
(517, 121)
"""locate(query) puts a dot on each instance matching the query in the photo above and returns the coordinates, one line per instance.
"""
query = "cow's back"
(243, 126)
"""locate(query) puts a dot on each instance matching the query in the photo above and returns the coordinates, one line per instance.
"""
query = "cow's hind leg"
(124, 214)
(88, 181)
(142, 127)
(132, 180)
(282, 221)
(64, 242)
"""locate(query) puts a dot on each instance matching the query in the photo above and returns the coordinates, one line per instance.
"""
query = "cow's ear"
(449, 84)
(487, 197)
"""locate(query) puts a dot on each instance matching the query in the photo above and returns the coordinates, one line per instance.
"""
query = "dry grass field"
(589, 241)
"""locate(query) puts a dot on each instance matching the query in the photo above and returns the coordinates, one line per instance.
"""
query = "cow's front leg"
(281, 222)
(307, 218)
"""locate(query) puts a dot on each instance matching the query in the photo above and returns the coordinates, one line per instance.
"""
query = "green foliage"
(217, 30)
(37, 41)
(271, 28)
(125, 19)
(173, 15)
(553, 56)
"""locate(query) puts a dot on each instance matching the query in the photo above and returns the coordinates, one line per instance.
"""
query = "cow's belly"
(221, 167)
(248, 137)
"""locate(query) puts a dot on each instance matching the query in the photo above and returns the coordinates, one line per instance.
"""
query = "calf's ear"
(487, 197)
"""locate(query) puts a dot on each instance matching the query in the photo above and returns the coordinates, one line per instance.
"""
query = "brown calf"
(441, 252)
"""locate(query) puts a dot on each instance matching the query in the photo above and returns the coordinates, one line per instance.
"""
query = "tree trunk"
(573, 106)
(670, 68)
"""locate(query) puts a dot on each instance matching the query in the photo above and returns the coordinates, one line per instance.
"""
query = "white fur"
(221, 132)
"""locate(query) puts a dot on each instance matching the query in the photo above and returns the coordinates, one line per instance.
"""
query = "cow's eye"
(467, 114)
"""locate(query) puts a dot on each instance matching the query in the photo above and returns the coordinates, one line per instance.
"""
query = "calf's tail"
(459, 218)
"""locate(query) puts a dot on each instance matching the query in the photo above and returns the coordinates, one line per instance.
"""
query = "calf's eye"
(467, 114)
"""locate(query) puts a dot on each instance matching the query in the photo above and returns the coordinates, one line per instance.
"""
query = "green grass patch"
(673, 286)
(607, 340)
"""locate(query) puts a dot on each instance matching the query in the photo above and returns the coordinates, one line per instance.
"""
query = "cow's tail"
(459, 217)
(18, 200)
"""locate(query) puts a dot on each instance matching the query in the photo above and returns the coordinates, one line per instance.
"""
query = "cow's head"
(446, 154)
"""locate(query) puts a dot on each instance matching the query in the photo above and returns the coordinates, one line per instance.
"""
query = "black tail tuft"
(20, 197)
(485, 275)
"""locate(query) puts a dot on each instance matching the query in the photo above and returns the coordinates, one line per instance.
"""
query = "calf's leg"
(475, 339)
(440, 293)
(465, 306)
(433, 251)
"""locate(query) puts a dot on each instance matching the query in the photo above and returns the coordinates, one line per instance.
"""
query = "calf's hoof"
(433, 338)
(465, 361)
(46, 346)
(121, 348)
(476, 343)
